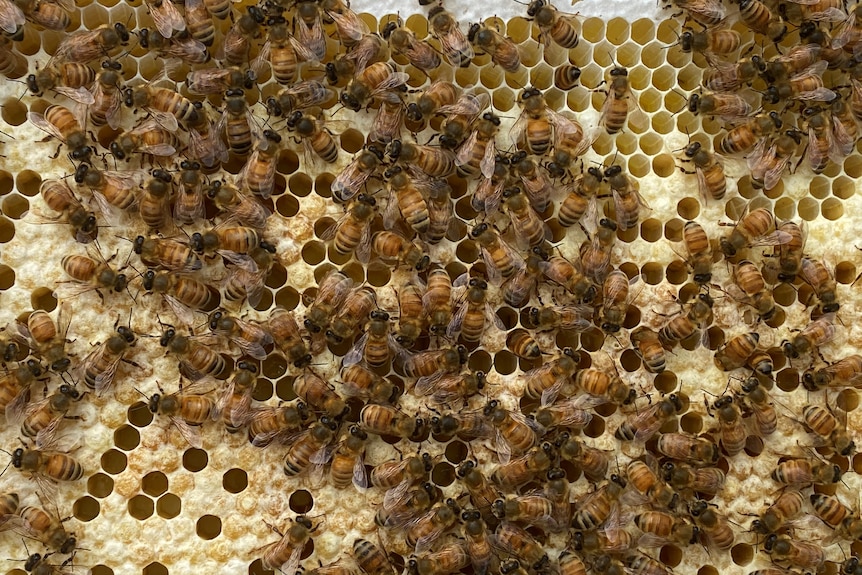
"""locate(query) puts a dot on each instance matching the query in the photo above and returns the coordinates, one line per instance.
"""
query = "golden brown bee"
(331, 293)
(474, 312)
(406, 195)
(533, 510)
(308, 27)
(755, 228)
(205, 144)
(370, 559)
(682, 326)
(748, 278)
(199, 22)
(727, 106)
(15, 386)
(482, 492)
(504, 52)
(353, 231)
(237, 205)
(319, 394)
(238, 122)
(285, 553)
(553, 25)
(440, 93)
(536, 183)
(560, 271)
(433, 161)
(357, 305)
(705, 12)
(593, 462)
(644, 425)
(694, 450)
(619, 101)
(477, 543)
(820, 141)
(785, 551)
(386, 126)
(450, 558)
(467, 426)
(547, 380)
(806, 85)
(569, 413)
(347, 465)
(440, 211)
(165, 105)
(182, 46)
(715, 40)
(731, 428)
(228, 240)
(798, 472)
(519, 289)
(62, 124)
(234, 404)
(723, 76)
(815, 274)
(455, 46)
(735, 353)
(570, 564)
(524, 469)
(40, 525)
(710, 173)
(434, 364)
(186, 409)
(425, 530)
(12, 63)
(790, 253)
(42, 418)
(437, 300)
(746, 135)
(107, 96)
(348, 182)
(403, 41)
(279, 424)
(713, 525)
(411, 315)
(182, 293)
(370, 83)
(845, 130)
(166, 17)
(823, 423)
(87, 45)
(44, 464)
(91, 274)
(189, 201)
(757, 16)
(409, 471)
(308, 445)
(377, 346)
(155, 202)
(757, 400)
(389, 421)
(515, 433)
(699, 252)
(844, 372)
(100, 365)
(111, 189)
(460, 116)
(581, 200)
(518, 542)
(522, 344)
(529, 228)
(812, 336)
(594, 508)
(500, 259)
(247, 273)
(606, 385)
(660, 527)
(391, 247)
(285, 52)
(835, 514)
(298, 96)
(450, 388)
(71, 79)
(315, 138)
(787, 506)
(627, 200)
(648, 484)
(60, 198)
(614, 301)
(476, 155)
(649, 349)
(285, 332)
(168, 254)
(566, 77)
(238, 39)
(196, 359)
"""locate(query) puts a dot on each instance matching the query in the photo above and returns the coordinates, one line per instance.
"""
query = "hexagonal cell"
(154, 483)
(100, 485)
(208, 527)
(141, 507)
(113, 461)
(155, 569)
(127, 437)
(169, 506)
(86, 509)
(195, 460)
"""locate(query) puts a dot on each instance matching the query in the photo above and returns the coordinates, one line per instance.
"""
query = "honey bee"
(437, 300)
(12, 63)
(644, 425)
(238, 122)
(112, 190)
(705, 12)
(410, 471)
(167, 107)
(205, 145)
(402, 504)
(812, 336)
(284, 51)
(710, 173)
(735, 353)
(348, 182)
(451, 387)
(515, 434)
(405, 195)
(370, 83)
(553, 25)
(719, 39)
(386, 126)
(43, 526)
(567, 317)
(547, 380)
(518, 289)
(62, 124)
(790, 253)
(529, 228)
(331, 293)
(107, 96)
(746, 135)
(389, 421)
(500, 259)
(698, 317)
(756, 228)
(196, 359)
(308, 27)
(187, 409)
(482, 492)
(47, 466)
(836, 515)
(649, 349)
(377, 346)
(533, 510)
(298, 96)
(182, 293)
(594, 463)
(425, 530)
(199, 22)
(316, 139)
(100, 366)
(518, 542)
(87, 45)
(476, 155)
(768, 163)
(522, 470)
(602, 384)
(477, 542)
(279, 424)
(466, 426)
(239, 206)
(581, 200)
(42, 418)
(460, 116)
(758, 401)
(440, 93)
(784, 550)
(450, 558)
(569, 414)
(729, 77)
(352, 233)
(821, 144)
(391, 247)
(749, 279)
(627, 199)
(806, 85)
(619, 101)
(357, 305)
(758, 17)
(845, 130)
(258, 174)
(309, 446)
(815, 274)
(92, 274)
(182, 46)
(440, 211)
(347, 464)
(411, 316)
(435, 162)
(594, 508)
(237, 40)
(60, 198)
(713, 525)
(370, 559)
(522, 344)
(562, 272)
(189, 202)
(167, 254)
(844, 372)
(503, 50)
(166, 17)
(71, 79)
(729, 107)
(695, 450)
(787, 506)
(319, 394)
(15, 387)
(797, 472)
(570, 564)
(286, 335)
(614, 301)
(285, 553)
(230, 241)
(827, 426)
(403, 41)
(471, 317)
(536, 183)
(660, 527)
(155, 203)
(731, 428)
(233, 407)
(683, 477)
(455, 46)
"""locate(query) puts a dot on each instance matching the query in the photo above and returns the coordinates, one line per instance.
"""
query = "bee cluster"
(427, 296)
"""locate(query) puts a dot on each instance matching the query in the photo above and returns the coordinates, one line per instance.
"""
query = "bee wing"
(15, 410)
(47, 489)
(40, 122)
(454, 327)
(313, 38)
(303, 52)
(167, 18)
(846, 32)
(349, 24)
(106, 378)
(488, 162)
(266, 183)
(842, 142)
(394, 80)
(189, 210)
(820, 94)
(360, 474)
(470, 105)
(356, 352)
(79, 94)
(425, 542)
(772, 175)
(754, 159)
(456, 47)
(426, 383)
(348, 181)
(516, 132)
(396, 496)
(11, 16)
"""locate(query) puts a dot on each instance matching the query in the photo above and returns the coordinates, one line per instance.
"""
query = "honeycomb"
(150, 502)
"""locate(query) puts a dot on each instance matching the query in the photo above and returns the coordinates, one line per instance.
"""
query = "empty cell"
(141, 507)
(195, 460)
(301, 501)
(154, 483)
(155, 569)
(808, 209)
(15, 206)
(113, 461)
(832, 209)
(100, 485)
(168, 506)
(127, 437)
(443, 474)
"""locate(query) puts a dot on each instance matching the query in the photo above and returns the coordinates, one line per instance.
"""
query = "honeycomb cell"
(818, 187)
(139, 415)
(101, 570)
(787, 379)
(593, 30)
(113, 461)
(456, 452)
(301, 501)
(141, 507)
(154, 483)
(832, 209)
(127, 438)
(845, 273)
(808, 209)
(168, 506)
(100, 485)
(155, 568)
(670, 555)
(443, 474)
(785, 208)
(7, 230)
(15, 206)
(195, 460)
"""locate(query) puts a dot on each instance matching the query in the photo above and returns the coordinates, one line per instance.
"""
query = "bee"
(237, 40)
(582, 198)
(349, 26)
(567, 317)
(500, 259)
(529, 228)
(285, 52)
(199, 22)
(319, 394)
(452, 387)
(87, 45)
(594, 508)
(189, 202)
(806, 85)
(238, 122)
(455, 46)
(71, 79)
(503, 50)
(393, 248)
(100, 365)
(522, 344)
(474, 312)
(758, 17)
(167, 254)
(166, 17)
(359, 381)
(434, 162)
(308, 28)
(821, 144)
(42, 526)
(46, 465)
(186, 409)
(440, 93)
(536, 183)
(285, 332)
(450, 558)
(787, 506)
(467, 426)
(749, 279)
(386, 126)
(440, 211)
(710, 173)
(727, 77)
(460, 116)
(619, 101)
(758, 402)
(727, 106)
(627, 199)
(815, 274)
(279, 424)
(600, 383)
(648, 484)
(60, 198)
(298, 96)
(593, 462)
(746, 135)
(525, 468)
(258, 174)
(389, 421)
(731, 429)
(377, 345)
(515, 433)
(714, 40)
(62, 124)
(196, 359)
(347, 465)
(348, 182)
(797, 472)
(649, 349)
(370, 559)
(844, 372)
(356, 307)
(790, 253)
(482, 492)
(518, 289)
(713, 525)
(168, 107)
(477, 542)
(205, 144)
(42, 419)
(560, 271)
(370, 83)
(682, 326)
(333, 289)
(247, 276)
(705, 12)
(285, 553)
(239, 206)
(845, 130)
(92, 274)
(424, 531)
(521, 544)
(639, 564)
(155, 203)
(307, 447)
(812, 336)
(644, 425)
(353, 231)
(569, 414)
(407, 197)
(533, 510)
(107, 96)
(553, 25)
(694, 450)
(437, 300)
(827, 426)
(182, 46)
(476, 155)
(754, 229)
(228, 240)
(547, 380)
(15, 387)
(835, 514)
(403, 41)
(11, 61)
(735, 353)
(683, 477)
(182, 293)
(784, 550)
(111, 189)
(614, 301)
(402, 474)
(233, 407)
(315, 138)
